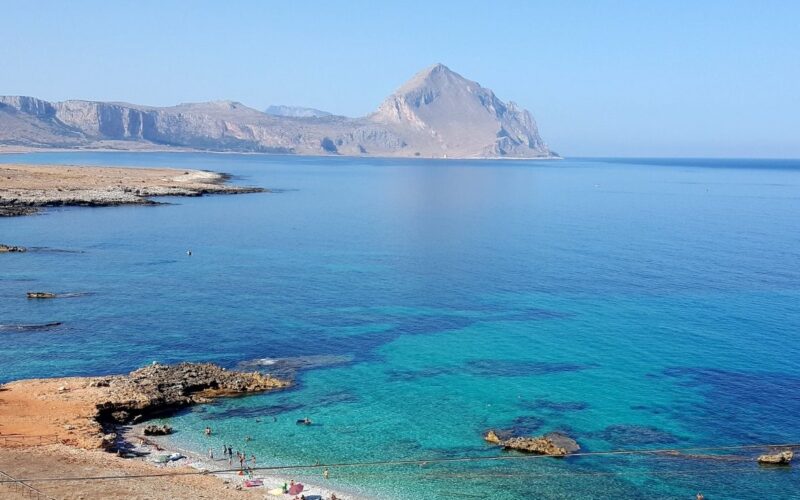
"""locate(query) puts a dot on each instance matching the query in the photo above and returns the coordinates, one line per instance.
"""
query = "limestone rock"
(781, 458)
(12, 249)
(157, 430)
(551, 444)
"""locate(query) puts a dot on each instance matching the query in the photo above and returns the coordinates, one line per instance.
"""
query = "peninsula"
(25, 188)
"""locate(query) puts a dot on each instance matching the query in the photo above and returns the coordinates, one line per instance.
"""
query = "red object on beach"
(296, 489)
(251, 483)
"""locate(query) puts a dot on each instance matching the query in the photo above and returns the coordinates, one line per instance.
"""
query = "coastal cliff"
(438, 113)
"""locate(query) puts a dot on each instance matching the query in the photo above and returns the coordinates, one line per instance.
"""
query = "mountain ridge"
(437, 113)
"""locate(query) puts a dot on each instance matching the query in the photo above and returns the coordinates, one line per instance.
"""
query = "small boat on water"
(41, 295)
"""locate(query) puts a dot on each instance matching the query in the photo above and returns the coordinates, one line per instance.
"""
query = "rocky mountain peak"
(459, 117)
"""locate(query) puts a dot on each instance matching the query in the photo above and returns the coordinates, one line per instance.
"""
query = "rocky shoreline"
(67, 426)
(24, 189)
(85, 412)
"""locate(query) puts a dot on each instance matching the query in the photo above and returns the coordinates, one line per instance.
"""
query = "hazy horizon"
(602, 79)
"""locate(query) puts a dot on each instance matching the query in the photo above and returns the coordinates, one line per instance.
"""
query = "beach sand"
(49, 429)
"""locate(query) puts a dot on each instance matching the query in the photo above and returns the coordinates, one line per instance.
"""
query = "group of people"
(248, 465)
(241, 457)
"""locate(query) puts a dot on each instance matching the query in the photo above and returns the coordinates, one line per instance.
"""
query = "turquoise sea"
(633, 304)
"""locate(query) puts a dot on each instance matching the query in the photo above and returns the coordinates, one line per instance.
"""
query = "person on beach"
(211, 453)
(325, 473)
(285, 488)
(253, 459)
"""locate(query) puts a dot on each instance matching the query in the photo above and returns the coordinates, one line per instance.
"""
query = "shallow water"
(633, 304)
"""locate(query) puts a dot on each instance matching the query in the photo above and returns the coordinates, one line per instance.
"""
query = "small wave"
(289, 366)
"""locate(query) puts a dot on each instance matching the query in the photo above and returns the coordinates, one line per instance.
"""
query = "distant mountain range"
(296, 112)
(438, 113)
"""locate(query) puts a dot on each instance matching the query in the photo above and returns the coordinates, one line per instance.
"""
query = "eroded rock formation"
(552, 444)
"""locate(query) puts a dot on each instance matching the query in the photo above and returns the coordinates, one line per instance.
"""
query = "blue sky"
(606, 78)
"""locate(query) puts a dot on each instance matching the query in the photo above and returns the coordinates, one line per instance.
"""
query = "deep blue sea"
(633, 304)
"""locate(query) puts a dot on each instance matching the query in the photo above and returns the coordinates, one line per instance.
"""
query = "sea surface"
(632, 304)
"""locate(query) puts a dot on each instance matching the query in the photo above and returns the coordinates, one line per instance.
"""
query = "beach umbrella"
(296, 489)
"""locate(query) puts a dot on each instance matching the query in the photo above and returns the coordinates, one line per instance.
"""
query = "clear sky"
(606, 78)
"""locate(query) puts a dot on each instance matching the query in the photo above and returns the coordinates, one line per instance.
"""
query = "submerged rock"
(41, 295)
(782, 458)
(552, 444)
(10, 249)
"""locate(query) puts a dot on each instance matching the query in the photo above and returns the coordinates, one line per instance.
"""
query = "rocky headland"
(84, 411)
(26, 188)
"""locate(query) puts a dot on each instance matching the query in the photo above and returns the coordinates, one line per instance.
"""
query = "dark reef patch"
(514, 368)
(412, 375)
(757, 406)
(270, 410)
(30, 327)
(624, 435)
(547, 405)
(336, 398)
(526, 425)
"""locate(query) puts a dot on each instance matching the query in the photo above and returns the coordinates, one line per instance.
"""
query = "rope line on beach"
(664, 451)
(29, 488)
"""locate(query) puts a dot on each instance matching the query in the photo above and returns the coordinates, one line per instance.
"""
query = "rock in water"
(492, 437)
(11, 249)
(552, 444)
(157, 430)
(782, 458)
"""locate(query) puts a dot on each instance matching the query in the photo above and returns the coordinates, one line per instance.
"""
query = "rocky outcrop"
(12, 249)
(27, 187)
(156, 389)
(552, 444)
(781, 458)
(157, 430)
(438, 113)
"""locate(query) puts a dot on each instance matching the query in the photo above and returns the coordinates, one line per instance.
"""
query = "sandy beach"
(55, 431)
(24, 188)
